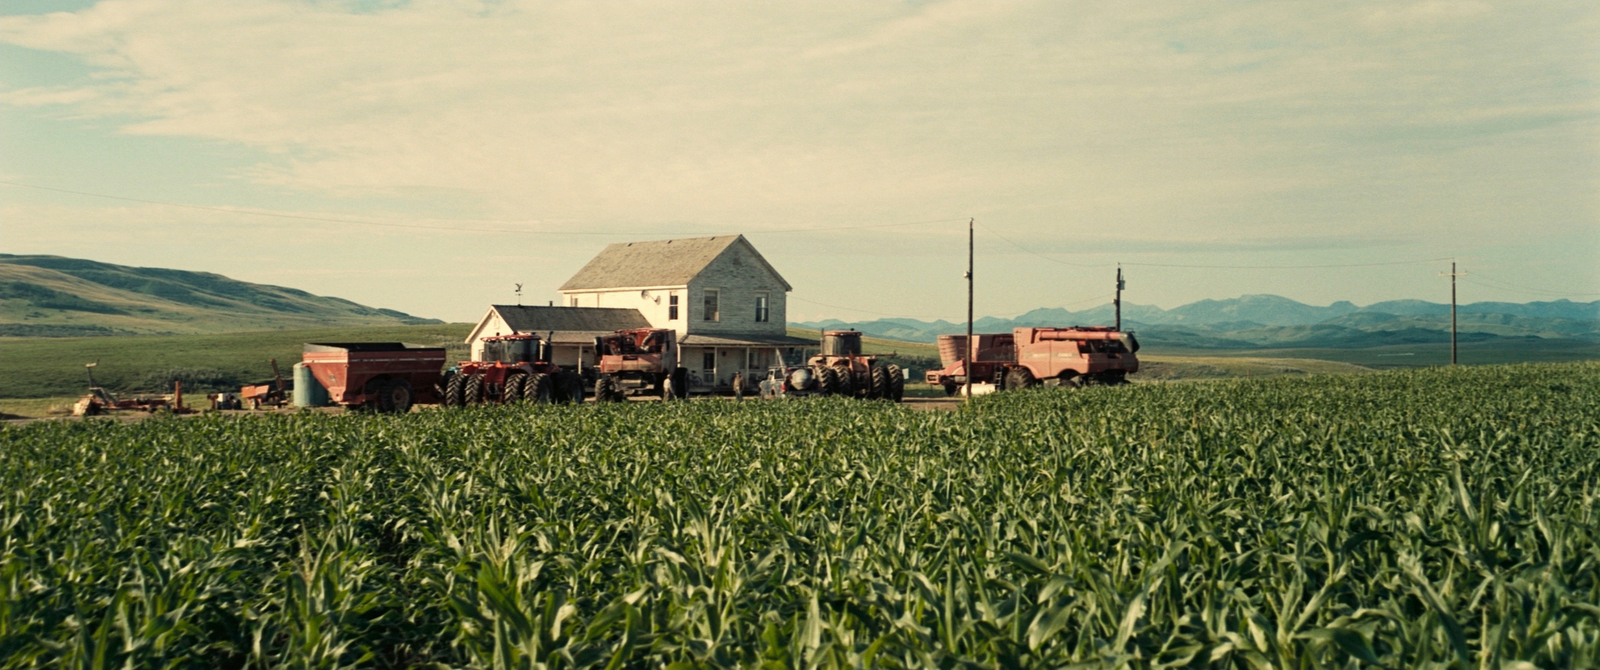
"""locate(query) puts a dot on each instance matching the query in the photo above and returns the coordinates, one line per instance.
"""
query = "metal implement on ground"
(274, 394)
(841, 369)
(1076, 356)
(99, 400)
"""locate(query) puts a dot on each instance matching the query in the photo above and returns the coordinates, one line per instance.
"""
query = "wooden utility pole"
(1452, 274)
(967, 355)
(1118, 300)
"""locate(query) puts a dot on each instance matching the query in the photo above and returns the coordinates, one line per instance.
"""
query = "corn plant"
(1440, 518)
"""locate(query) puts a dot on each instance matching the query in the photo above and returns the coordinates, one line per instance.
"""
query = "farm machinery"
(515, 368)
(841, 369)
(100, 400)
(272, 394)
(638, 361)
(384, 376)
(1072, 357)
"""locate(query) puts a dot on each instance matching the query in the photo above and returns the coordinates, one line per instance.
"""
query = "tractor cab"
(511, 349)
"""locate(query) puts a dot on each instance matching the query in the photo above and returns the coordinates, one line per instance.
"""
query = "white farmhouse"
(726, 302)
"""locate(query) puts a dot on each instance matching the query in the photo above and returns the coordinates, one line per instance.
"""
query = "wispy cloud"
(1253, 122)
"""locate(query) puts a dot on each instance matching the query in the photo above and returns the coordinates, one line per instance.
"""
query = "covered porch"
(712, 360)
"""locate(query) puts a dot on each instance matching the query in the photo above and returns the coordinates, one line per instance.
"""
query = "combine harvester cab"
(841, 369)
(514, 369)
(383, 376)
(640, 361)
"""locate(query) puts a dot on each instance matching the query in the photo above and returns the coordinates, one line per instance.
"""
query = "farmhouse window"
(574, 301)
(672, 308)
(711, 305)
(761, 307)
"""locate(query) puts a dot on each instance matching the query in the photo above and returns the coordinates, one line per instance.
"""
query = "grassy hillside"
(51, 296)
(1489, 352)
(46, 367)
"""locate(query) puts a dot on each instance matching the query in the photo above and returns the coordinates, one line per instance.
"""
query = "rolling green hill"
(40, 367)
(52, 296)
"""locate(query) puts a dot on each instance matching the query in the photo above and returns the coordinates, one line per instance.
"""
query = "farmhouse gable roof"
(659, 263)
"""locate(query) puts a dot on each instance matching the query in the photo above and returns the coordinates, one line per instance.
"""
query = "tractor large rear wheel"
(511, 392)
(472, 394)
(897, 383)
(827, 380)
(845, 383)
(879, 388)
(536, 389)
(453, 390)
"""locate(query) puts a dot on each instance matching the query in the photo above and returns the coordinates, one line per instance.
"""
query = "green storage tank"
(308, 392)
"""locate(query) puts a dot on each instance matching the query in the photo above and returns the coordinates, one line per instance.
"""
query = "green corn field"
(1442, 518)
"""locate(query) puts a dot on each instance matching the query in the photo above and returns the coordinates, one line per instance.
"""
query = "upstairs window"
(672, 308)
(761, 308)
(711, 313)
(574, 301)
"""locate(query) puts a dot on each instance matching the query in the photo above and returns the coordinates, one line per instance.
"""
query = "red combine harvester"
(1030, 356)
(385, 376)
(637, 362)
(515, 368)
(841, 369)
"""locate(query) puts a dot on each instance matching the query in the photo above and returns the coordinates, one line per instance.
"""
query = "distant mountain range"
(1270, 321)
(52, 296)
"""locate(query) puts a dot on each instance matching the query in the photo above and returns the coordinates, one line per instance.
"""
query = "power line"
(865, 311)
(1052, 260)
(1528, 291)
(1417, 261)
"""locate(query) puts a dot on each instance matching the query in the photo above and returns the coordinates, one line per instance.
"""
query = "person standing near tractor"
(738, 386)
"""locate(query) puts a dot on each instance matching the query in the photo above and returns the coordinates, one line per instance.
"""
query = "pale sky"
(427, 156)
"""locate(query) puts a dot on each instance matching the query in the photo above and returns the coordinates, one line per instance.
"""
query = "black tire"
(574, 387)
(605, 389)
(680, 382)
(844, 382)
(897, 383)
(950, 388)
(827, 380)
(1020, 378)
(511, 391)
(536, 389)
(394, 397)
(453, 390)
(879, 388)
(472, 394)
(560, 387)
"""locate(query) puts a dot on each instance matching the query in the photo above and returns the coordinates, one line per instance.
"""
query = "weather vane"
(519, 295)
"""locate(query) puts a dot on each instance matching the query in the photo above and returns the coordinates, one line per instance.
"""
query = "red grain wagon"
(386, 376)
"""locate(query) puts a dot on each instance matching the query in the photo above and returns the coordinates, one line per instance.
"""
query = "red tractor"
(515, 368)
(638, 362)
(841, 369)
(1027, 357)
